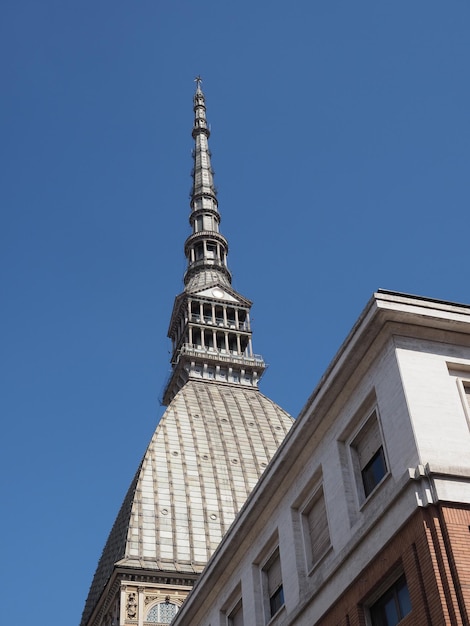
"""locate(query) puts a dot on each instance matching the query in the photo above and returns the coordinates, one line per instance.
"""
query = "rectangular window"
(392, 606)
(211, 250)
(370, 455)
(316, 527)
(199, 252)
(275, 590)
(208, 223)
(235, 617)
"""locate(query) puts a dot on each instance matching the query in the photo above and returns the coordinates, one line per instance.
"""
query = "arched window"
(162, 613)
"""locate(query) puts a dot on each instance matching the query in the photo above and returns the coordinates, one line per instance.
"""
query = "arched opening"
(162, 613)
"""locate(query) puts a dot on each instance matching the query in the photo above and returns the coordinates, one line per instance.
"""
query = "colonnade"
(215, 326)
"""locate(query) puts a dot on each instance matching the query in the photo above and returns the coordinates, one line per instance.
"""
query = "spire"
(206, 249)
(210, 324)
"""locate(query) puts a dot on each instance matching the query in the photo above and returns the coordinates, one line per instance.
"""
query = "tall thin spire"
(210, 324)
(206, 249)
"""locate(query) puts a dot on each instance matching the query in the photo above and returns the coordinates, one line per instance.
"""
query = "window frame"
(276, 593)
(391, 592)
(230, 607)
(462, 377)
(369, 429)
(313, 558)
(369, 482)
(234, 612)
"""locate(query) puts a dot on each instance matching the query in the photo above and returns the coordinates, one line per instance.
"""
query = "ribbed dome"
(205, 279)
(206, 455)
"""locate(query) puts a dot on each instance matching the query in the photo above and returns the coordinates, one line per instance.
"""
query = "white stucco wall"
(436, 409)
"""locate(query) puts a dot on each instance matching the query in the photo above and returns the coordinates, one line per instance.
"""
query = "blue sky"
(341, 146)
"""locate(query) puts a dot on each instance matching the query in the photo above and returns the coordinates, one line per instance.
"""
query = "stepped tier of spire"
(210, 324)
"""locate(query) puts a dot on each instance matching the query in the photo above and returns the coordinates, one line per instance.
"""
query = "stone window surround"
(367, 436)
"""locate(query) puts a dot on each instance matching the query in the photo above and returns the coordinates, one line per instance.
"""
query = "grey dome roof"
(206, 278)
(206, 455)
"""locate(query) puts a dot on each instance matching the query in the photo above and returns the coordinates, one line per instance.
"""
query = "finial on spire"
(198, 81)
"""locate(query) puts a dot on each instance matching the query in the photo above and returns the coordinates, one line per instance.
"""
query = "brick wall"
(433, 550)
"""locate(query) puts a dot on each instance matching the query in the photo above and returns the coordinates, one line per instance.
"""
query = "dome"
(206, 455)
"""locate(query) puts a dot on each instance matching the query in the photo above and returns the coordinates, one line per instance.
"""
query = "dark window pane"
(404, 601)
(390, 611)
(374, 471)
(276, 600)
(393, 606)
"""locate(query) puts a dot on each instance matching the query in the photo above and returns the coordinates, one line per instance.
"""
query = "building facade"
(214, 441)
(363, 516)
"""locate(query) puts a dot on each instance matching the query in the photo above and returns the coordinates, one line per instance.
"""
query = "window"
(199, 252)
(235, 618)
(315, 523)
(162, 613)
(211, 251)
(273, 576)
(392, 606)
(370, 455)
(208, 222)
